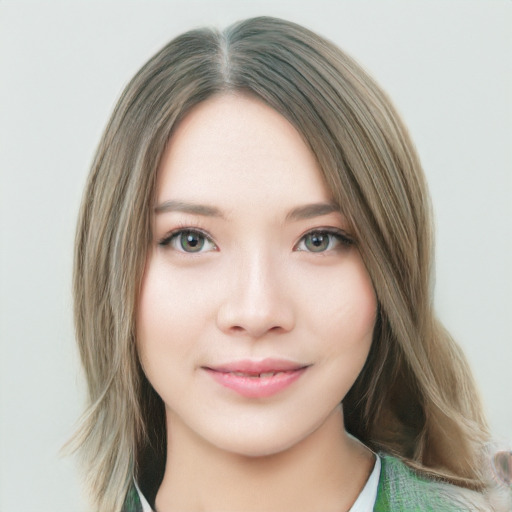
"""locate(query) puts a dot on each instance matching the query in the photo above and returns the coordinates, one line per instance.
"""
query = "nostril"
(255, 314)
(237, 329)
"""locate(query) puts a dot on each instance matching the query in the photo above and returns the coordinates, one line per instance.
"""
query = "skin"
(258, 287)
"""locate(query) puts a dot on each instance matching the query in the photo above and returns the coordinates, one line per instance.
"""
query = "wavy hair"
(415, 397)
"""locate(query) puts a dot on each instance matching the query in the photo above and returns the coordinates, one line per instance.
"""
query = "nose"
(257, 300)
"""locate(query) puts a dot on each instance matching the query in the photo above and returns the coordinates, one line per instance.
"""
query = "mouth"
(257, 379)
(263, 375)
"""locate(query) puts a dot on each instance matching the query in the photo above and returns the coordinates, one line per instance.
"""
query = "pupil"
(192, 242)
(317, 242)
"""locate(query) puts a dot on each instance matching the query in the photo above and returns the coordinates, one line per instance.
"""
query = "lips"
(257, 379)
(262, 375)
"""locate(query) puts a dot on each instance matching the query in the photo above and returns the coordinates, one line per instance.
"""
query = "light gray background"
(446, 64)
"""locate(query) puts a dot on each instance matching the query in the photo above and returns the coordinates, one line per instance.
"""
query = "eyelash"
(173, 235)
(340, 236)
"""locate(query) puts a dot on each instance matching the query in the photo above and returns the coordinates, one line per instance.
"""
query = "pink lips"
(257, 379)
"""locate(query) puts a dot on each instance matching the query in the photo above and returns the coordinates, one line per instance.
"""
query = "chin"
(257, 448)
(261, 441)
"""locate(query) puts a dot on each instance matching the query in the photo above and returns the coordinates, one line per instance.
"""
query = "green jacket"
(399, 490)
(402, 490)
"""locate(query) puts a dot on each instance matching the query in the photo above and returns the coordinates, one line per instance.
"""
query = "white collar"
(143, 500)
(368, 496)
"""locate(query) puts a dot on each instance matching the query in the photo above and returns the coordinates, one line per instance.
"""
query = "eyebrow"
(182, 206)
(310, 211)
(307, 211)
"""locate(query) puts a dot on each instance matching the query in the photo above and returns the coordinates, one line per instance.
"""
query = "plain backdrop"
(446, 64)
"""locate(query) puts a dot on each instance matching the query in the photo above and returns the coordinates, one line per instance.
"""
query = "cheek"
(167, 317)
(351, 323)
(348, 312)
(345, 304)
(359, 310)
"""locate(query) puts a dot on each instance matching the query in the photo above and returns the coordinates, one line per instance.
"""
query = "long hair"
(415, 397)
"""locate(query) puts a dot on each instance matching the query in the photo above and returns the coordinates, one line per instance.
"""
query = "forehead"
(234, 148)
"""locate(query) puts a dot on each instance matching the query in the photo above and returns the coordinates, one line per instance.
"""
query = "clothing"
(400, 489)
(146, 507)
(367, 497)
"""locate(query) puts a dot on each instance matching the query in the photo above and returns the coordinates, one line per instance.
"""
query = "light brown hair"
(415, 397)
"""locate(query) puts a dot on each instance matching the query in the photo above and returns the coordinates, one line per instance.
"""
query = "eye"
(188, 240)
(323, 240)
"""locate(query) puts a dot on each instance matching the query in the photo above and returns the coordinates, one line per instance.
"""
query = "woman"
(252, 292)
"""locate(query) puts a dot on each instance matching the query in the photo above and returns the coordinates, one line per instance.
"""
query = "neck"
(325, 471)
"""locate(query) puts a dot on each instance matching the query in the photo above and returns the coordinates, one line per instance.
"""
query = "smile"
(257, 379)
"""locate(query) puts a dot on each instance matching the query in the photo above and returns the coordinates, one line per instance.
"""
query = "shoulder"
(402, 489)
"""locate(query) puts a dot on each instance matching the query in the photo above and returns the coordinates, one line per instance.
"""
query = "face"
(256, 311)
